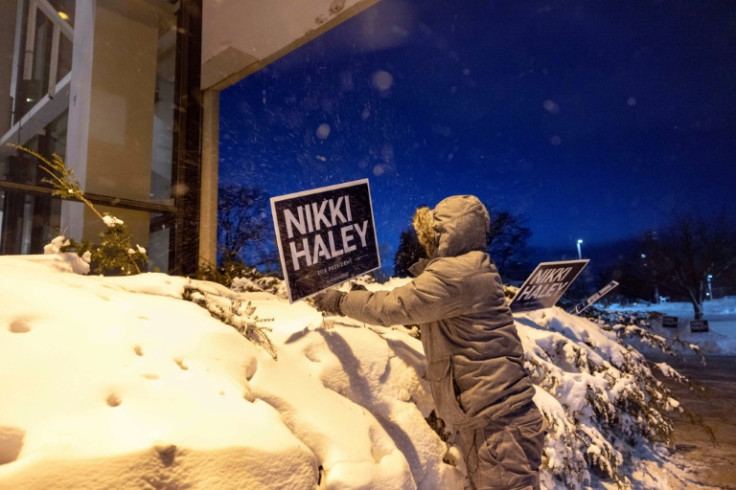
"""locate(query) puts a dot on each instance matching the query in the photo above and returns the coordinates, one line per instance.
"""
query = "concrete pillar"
(112, 110)
(210, 176)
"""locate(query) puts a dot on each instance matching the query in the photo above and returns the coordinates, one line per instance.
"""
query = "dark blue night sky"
(594, 119)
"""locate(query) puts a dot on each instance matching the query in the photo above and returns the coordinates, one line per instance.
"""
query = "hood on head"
(458, 224)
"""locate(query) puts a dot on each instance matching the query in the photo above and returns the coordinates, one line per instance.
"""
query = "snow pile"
(720, 314)
(600, 397)
(120, 383)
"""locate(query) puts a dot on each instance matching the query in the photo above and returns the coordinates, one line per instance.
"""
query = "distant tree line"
(680, 260)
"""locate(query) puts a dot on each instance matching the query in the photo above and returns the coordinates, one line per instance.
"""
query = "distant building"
(127, 92)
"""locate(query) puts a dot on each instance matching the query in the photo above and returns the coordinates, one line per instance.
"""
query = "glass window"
(123, 151)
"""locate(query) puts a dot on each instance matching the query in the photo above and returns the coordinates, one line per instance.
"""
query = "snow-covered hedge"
(598, 394)
(120, 383)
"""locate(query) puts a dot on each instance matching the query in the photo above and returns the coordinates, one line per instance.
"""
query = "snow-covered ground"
(721, 316)
(120, 383)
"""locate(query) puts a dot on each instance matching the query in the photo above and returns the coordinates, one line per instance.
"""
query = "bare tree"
(507, 240)
(680, 256)
(244, 230)
(408, 252)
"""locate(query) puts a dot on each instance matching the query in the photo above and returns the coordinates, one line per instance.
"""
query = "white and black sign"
(580, 307)
(544, 287)
(669, 321)
(698, 325)
(325, 236)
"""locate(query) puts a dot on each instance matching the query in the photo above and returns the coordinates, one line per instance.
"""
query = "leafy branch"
(115, 254)
(60, 177)
(231, 310)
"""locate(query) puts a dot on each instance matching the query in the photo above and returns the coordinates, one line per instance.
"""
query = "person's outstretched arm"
(427, 298)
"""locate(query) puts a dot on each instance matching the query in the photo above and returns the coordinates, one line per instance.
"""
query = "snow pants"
(506, 453)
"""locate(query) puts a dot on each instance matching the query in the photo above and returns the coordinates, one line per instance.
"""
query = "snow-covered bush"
(604, 406)
(231, 310)
(171, 397)
(635, 329)
(239, 277)
(61, 245)
(601, 398)
(257, 282)
(114, 254)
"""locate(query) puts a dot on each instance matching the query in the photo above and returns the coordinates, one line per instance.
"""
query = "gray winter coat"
(474, 355)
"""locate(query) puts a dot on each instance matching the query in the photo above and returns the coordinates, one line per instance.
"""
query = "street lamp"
(580, 253)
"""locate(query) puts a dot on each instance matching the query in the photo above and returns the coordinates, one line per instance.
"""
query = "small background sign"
(580, 307)
(544, 287)
(698, 325)
(669, 321)
(325, 236)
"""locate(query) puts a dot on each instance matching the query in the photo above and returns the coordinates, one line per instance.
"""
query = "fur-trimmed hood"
(459, 224)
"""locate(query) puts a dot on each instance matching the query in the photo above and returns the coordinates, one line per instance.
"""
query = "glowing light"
(382, 80)
(323, 131)
(551, 106)
(63, 15)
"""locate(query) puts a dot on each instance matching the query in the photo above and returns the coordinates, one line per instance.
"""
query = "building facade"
(126, 92)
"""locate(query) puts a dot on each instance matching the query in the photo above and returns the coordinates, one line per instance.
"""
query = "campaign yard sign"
(582, 306)
(669, 321)
(325, 236)
(546, 285)
(698, 326)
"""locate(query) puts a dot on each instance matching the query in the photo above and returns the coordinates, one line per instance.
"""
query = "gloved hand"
(329, 301)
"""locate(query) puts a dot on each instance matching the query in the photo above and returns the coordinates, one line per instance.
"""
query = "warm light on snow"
(111, 378)
(119, 383)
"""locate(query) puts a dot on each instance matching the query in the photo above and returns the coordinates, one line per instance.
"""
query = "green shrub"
(114, 254)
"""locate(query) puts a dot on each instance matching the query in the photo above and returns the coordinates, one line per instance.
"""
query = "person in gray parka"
(473, 352)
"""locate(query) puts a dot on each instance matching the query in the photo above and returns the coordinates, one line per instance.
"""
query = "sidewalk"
(705, 435)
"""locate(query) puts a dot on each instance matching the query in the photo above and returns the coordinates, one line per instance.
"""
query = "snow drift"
(120, 383)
